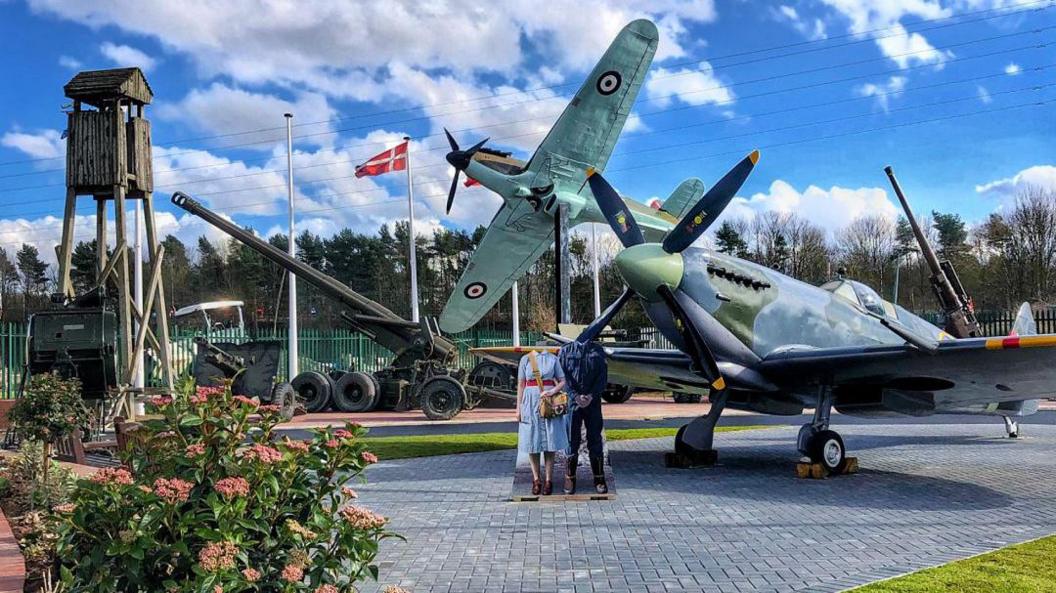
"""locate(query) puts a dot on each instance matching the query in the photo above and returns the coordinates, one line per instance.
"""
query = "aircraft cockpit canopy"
(863, 296)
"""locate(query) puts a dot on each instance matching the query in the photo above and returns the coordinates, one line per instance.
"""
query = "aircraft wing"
(587, 130)
(516, 238)
(958, 372)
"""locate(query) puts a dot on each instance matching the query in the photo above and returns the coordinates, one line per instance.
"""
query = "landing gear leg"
(693, 443)
(1011, 427)
(820, 444)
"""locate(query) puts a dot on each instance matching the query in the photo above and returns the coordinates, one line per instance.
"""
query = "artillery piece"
(420, 374)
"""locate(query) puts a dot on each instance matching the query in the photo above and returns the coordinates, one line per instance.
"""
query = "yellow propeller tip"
(591, 171)
(719, 384)
(754, 156)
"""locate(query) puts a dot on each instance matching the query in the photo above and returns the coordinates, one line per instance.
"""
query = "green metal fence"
(320, 350)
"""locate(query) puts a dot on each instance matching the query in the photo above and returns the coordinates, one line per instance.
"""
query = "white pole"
(137, 287)
(410, 231)
(294, 356)
(516, 315)
(594, 263)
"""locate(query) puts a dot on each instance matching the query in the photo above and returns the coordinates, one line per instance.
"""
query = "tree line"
(1008, 258)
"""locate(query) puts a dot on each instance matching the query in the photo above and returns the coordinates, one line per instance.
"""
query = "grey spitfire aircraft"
(762, 341)
(533, 192)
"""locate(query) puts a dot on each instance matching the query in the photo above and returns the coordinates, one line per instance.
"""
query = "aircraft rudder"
(1024, 325)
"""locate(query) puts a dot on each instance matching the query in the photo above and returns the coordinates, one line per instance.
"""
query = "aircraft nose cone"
(645, 267)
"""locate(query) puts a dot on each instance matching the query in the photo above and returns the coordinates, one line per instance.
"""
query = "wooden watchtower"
(108, 157)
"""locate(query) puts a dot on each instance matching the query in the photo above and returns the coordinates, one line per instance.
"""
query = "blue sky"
(946, 91)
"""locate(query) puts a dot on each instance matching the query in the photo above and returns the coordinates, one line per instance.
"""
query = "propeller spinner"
(459, 159)
(654, 271)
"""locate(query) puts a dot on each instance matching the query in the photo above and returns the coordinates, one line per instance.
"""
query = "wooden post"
(162, 327)
(66, 247)
(152, 288)
(100, 236)
(123, 294)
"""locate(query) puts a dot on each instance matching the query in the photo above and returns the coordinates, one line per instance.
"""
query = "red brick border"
(12, 564)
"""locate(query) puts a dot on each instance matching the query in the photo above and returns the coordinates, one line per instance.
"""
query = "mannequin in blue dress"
(540, 435)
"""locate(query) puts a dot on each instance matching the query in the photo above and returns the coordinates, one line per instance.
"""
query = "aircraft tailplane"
(1024, 324)
(684, 197)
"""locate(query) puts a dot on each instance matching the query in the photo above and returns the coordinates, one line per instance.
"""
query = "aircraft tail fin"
(684, 197)
(1024, 324)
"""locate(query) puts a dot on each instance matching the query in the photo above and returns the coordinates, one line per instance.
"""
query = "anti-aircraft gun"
(421, 373)
(956, 306)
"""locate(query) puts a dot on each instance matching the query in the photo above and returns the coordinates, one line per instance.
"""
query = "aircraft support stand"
(694, 441)
(1011, 427)
(823, 447)
(562, 267)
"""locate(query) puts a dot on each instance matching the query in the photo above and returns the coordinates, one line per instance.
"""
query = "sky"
(956, 95)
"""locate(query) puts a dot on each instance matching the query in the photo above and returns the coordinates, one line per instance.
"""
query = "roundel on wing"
(475, 290)
(609, 82)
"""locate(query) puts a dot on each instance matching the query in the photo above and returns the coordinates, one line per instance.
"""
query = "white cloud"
(881, 19)
(984, 95)
(123, 55)
(693, 86)
(831, 209)
(45, 144)
(70, 62)
(221, 182)
(884, 91)
(812, 29)
(221, 109)
(1012, 69)
(1042, 176)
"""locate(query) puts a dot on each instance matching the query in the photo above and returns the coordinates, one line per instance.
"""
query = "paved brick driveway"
(927, 494)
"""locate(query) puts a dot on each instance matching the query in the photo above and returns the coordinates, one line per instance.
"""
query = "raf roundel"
(609, 82)
(475, 290)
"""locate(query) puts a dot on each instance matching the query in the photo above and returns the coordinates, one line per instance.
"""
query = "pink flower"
(64, 508)
(368, 457)
(203, 393)
(326, 589)
(251, 574)
(362, 518)
(112, 476)
(218, 589)
(195, 450)
(349, 492)
(245, 401)
(161, 401)
(172, 490)
(231, 487)
(332, 444)
(269, 409)
(263, 454)
(295, 446)
(293, 573)
(217, 556)
(342, 434)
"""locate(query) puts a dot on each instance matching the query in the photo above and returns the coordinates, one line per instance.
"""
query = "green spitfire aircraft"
(583, 137)
(759, 340)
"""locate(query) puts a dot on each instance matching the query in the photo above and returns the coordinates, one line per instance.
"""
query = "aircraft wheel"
(617, 394)
(827, 448)
(442, 398)
(686, 398)
(284, 396)
(313, 389)
(355, 393)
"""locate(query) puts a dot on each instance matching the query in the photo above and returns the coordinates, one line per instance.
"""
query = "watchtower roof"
(98, 86)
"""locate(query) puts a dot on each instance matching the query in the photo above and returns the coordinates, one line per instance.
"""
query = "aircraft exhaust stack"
(960, 319)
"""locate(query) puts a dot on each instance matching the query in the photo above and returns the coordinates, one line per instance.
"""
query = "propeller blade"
(473, 149)
(591, 331)
(615, 210)
(451, 140)
(705, 211)
(451, 193)
(699, 352)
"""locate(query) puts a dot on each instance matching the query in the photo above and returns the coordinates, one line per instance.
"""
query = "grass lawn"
(400, 447)
(1022, 568)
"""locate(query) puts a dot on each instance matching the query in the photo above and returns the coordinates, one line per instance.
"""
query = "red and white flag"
(393, 159)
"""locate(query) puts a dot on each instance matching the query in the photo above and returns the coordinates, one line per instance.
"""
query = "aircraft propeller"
(654, 271)
(459, 159)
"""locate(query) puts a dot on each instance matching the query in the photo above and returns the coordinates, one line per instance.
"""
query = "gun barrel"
(922, 240)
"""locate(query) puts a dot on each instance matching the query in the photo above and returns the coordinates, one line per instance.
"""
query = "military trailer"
(421, 373)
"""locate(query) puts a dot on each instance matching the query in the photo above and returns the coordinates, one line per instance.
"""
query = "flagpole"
(410, 232)
(293, 355)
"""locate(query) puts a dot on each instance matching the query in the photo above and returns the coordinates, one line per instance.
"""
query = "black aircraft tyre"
(617, 394)
(355, 392)
(284, 396)
(686, 398)
(314, 390)
(442, 398)
(827, 448)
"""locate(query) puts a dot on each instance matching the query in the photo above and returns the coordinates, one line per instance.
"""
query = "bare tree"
(866, 247)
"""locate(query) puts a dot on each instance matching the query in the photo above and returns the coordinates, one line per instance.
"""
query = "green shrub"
(29, 486)
(205, 511)
(50, 408)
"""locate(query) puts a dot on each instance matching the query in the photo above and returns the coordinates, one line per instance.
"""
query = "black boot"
(572, 462)
(597, 466)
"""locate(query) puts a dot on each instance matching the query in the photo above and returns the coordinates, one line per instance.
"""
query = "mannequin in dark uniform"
(586, 372)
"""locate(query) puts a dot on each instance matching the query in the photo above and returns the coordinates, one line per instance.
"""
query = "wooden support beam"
(162, 327)
(65, 250)
(100, 238)
(148, 299)
(124, 294)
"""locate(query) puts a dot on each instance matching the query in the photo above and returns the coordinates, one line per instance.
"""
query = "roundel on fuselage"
(609, 82)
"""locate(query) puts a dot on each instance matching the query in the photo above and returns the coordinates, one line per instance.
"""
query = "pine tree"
(729, 240)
